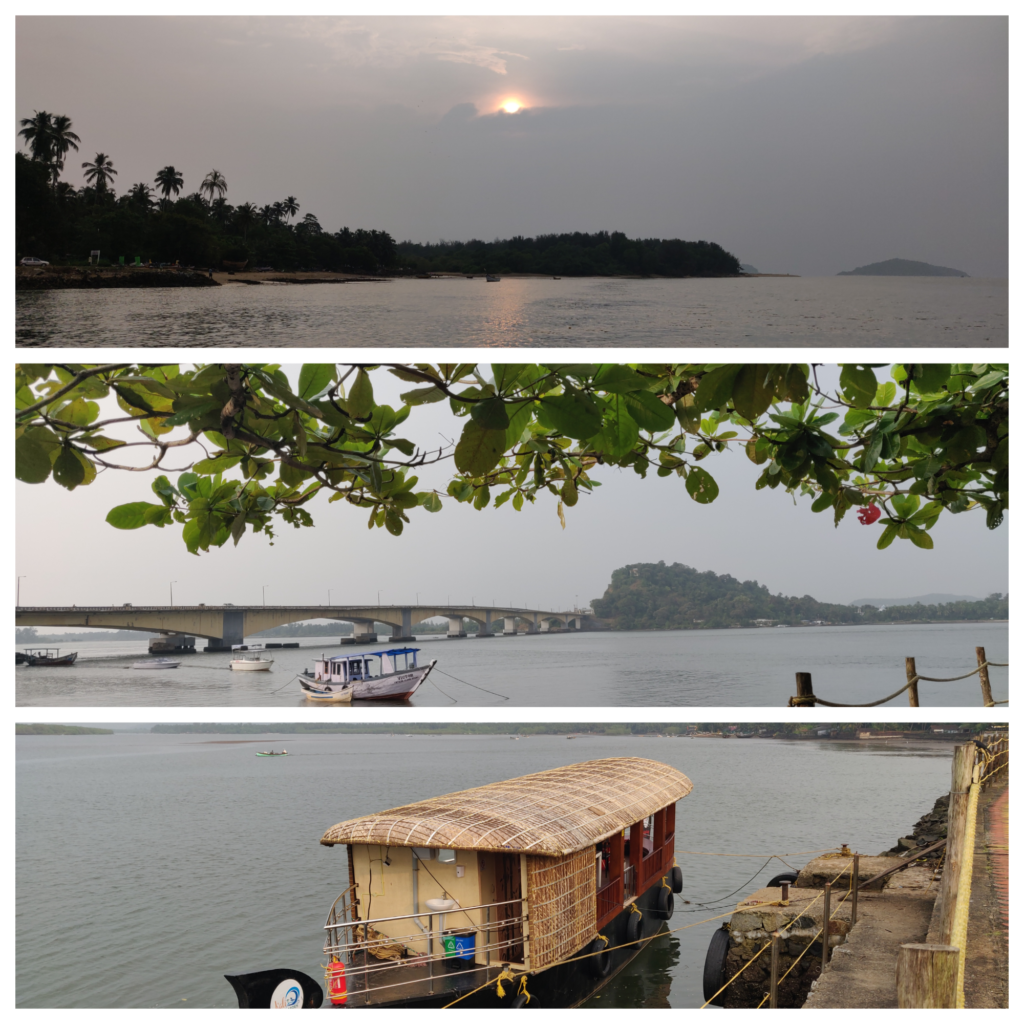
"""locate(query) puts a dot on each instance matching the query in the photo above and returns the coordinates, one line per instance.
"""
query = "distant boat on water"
(157, 663)
(49, 656)
(493, 277)
(271, 753)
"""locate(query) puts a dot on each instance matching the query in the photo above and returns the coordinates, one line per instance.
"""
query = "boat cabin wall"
(386, 889)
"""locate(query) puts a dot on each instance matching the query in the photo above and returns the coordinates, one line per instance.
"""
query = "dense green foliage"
(647, 596)
(29, 635)
(46, 729)
(63, 224)
(575, 254)
(932, 440)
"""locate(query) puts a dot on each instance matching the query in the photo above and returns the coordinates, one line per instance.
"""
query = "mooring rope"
(475, 687)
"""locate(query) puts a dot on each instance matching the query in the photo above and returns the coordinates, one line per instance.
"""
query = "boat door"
(509, 886)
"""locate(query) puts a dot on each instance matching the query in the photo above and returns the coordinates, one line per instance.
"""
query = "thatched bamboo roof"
(553, 813)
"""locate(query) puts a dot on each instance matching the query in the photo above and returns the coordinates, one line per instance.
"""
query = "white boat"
(377, 675)
(332, 693)
(493, 277)
(157, 663)
(256, 664)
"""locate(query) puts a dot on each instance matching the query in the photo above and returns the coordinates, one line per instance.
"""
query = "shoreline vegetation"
(164, 225)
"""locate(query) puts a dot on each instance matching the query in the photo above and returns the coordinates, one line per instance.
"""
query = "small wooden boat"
(493, 277)
(155, 663)
(49, 656)
(271, 753)
(378, 675)
(330, 694)
(539, 887)
(252, 664)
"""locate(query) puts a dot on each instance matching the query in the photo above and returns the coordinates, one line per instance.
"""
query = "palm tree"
(37, 132)
(62, 139)
(244, 216)
(169, 180)
(141, 194)
(268, 215)
(311, 224)
(214, 182)
(291, 207)
(220, 210)
(99, 172)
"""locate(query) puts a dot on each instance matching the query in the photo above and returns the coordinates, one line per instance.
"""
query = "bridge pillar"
(406, 622)
(176, 643)
(510, 626)
(486, 628)
(545, 626)
(455, 628)
(531, 627)
(233, 632)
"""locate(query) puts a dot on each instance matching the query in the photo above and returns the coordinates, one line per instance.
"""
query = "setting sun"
(511, 106)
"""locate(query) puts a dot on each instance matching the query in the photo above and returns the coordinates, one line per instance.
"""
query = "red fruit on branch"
(869, 514)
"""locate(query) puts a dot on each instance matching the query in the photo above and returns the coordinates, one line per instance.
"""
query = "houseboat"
(530, 892)
(374, 675)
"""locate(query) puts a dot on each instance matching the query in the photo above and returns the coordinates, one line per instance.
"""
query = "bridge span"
(224, 625)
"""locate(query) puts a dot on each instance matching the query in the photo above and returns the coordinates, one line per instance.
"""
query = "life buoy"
(634, 928)
(599, 961)
(665, 903)
(714, 966)
(675, 878)
(786, 876)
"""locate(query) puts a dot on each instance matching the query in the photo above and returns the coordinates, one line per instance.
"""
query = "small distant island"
(45, 729)
(903, 268)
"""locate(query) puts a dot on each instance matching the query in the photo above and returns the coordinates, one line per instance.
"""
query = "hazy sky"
(804, 145)
(71, 556)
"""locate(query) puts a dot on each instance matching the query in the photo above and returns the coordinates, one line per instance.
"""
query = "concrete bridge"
(224, 625)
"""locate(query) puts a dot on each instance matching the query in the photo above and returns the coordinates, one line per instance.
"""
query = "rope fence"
(807, 698)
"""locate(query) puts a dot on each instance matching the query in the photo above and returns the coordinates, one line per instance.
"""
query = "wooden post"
(826, 914)
(773, 1003)
(912, 680)
(959, 793)
(805, 688)
(986, 686)
(926, 977)
(856, 889)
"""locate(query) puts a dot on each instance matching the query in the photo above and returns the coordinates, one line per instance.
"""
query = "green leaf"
(822, 502)
(482, 497)
(928, 378)
(649, 411)
(68, 470)
(517, 501)
(920, 538)
(431, 501)
(208, 467)
(615, 379)
(136, 514)
(752, 390)
(490, 414)
(888, 536)
(701, 486)
(905, 505)
(360, 397)
(31, 460)
(573, 414)
(620, 431)
(715, 388)
(423, 396)
(569, 493)
(479, 450)
(858, 384)
(314, 378)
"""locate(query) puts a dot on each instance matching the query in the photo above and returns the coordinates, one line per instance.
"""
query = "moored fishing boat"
(331, 693)
(252, 664)
(157, 663)
(49, 656)
(533, 891)
(375, 675)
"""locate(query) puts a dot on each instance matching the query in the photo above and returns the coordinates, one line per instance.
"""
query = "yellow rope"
(506, 975)
(963, 896)
(522, 988)
(779, 856)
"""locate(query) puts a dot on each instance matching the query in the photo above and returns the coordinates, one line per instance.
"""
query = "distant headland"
(903, 268)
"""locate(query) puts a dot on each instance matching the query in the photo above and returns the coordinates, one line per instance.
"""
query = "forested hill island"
(649, 596)
(902, 268)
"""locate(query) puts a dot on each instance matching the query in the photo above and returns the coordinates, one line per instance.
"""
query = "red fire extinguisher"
(337, 988)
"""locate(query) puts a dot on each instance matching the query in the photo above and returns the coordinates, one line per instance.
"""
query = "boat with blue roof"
(391, 674)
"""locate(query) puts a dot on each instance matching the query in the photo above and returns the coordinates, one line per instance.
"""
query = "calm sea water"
(691, 668)
(571, 312)
(149, 866)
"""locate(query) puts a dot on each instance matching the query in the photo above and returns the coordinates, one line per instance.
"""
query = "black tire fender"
(714, 966)
(675, 878)
(666, 903)
(599, 961)
(786, 876)
(520, 1002)
(634, 928)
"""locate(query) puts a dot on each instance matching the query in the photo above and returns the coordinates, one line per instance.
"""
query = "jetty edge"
(534, 892)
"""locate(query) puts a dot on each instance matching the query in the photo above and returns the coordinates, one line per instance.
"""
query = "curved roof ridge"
(553, 812)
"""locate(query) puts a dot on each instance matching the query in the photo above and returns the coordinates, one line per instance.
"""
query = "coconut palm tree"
(244, 217)
(291, 207)
(169, 180)
(37, 132)
(99, 172)
(141, 194)
(214, 182)
(221, 210)
(62, 139)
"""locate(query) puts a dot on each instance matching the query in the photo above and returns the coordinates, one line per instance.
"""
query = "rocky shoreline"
(47, 278)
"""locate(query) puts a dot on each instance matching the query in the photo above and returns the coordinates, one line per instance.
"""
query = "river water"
(148, 866)
(675, 668)
(571, 312)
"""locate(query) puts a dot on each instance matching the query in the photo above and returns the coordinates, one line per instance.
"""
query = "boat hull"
(252, 666)
(395, 686)
(68, 659)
